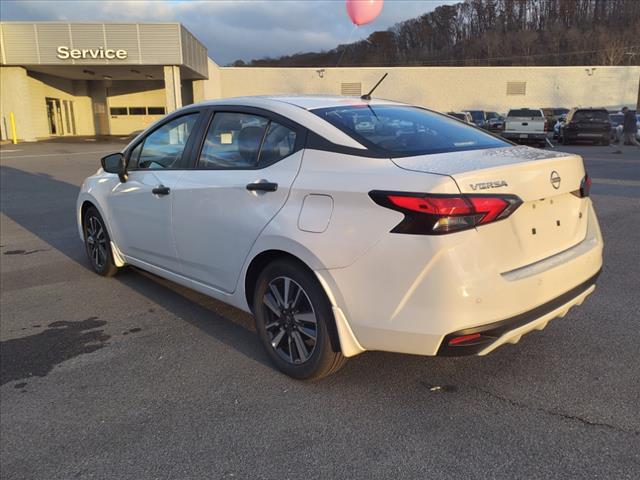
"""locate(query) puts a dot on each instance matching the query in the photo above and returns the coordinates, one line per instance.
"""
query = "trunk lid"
(551, 218)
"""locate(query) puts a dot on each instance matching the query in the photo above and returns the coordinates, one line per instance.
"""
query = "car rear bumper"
(511, 330)
(518, 136)
(411, 294)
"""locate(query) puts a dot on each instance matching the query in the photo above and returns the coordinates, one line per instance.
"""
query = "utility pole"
(638, 102)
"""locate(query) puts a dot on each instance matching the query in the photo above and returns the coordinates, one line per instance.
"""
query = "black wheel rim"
(291, 323)
(96, 242)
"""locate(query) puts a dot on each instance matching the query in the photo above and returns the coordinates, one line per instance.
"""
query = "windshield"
(406, 131)
(591, 116)
(524, 112)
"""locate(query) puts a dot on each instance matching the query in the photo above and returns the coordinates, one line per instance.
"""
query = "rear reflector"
(441, 213)
(464, 339)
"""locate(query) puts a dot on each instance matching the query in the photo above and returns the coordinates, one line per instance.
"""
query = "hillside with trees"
(495, 32)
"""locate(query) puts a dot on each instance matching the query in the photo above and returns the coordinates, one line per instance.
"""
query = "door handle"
(161, 190)
(262, 186)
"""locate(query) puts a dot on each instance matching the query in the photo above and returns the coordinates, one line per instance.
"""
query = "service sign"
(65, 53)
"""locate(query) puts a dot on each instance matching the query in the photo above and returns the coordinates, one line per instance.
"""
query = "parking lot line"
(616, 181)
(14, 157)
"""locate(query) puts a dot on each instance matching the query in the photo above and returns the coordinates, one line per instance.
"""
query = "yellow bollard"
(12, 120)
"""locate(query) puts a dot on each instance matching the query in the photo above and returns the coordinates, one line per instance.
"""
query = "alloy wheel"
(96, 242)
(292, 324)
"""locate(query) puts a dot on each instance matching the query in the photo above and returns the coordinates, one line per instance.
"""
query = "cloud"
(233, 29)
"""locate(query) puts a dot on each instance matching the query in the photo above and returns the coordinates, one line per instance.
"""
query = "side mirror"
(114, 163)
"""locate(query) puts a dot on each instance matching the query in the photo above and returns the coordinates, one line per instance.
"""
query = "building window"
(156, 110)
(118, 110)
(137, 110)
(516, 88)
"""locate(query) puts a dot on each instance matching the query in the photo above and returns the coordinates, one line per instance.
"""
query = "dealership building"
(90, 78)
(95, 78)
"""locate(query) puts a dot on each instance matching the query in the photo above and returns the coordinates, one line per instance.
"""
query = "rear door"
(243, 172)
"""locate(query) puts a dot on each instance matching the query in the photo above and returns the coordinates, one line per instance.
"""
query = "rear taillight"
(437, 214)
(585, 187)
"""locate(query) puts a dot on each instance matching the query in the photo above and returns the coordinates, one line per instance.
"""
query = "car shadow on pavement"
(45, 207)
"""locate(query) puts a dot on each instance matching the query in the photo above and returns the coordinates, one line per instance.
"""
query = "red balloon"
(363, 11)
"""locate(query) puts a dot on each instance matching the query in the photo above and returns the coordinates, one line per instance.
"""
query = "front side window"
(405, 130)
(242, 140)
(163, 148)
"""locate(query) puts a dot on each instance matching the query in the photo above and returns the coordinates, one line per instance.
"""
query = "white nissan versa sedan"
(347, 225)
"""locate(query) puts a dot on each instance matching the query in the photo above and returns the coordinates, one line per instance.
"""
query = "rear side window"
(524, 112)
(405, 130)
(591, 116)
(241, 140)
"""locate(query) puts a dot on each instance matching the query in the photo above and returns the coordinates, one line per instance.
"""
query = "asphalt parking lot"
(136, 378)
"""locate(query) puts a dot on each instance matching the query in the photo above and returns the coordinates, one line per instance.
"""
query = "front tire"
(98, 244)
(293, 315)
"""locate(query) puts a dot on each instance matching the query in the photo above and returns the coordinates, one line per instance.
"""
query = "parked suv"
(495, 122)
(591, 124)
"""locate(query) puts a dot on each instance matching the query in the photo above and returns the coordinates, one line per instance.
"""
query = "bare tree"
(496, 32)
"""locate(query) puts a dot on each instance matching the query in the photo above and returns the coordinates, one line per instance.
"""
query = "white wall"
(439, 88)
(446, 88)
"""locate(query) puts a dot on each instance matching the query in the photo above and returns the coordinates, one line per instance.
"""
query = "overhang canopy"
(118, 50)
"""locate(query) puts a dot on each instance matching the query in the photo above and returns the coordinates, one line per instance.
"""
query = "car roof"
(307, 102)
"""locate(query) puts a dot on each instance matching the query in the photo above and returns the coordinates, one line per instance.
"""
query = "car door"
(246, 165)
(140, 208)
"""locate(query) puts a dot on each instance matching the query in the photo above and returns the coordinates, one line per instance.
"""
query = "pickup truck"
(526, 125)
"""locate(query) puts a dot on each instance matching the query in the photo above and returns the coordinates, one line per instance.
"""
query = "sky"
(231, 30)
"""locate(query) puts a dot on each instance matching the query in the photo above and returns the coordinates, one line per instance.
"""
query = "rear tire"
(98, 244)
(292, 316)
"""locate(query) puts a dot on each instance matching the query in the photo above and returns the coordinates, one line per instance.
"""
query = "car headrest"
(249, 140)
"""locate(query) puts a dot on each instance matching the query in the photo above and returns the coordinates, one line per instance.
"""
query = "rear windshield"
(405, 130)
(591, 115)
(616, 118)
(524, 112)
(477, 115)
